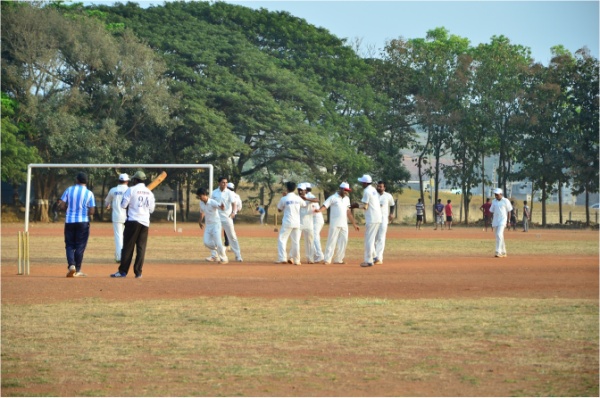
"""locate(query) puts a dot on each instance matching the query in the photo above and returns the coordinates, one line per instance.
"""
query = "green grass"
(255, 347)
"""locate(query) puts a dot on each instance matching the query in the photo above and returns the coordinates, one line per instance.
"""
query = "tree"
(85, 95)
(17, 153)
(584, 108)
(501, 71)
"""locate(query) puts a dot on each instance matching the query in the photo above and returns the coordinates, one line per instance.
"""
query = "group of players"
(302, 217)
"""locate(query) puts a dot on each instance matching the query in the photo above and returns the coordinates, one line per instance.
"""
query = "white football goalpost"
(23, 249)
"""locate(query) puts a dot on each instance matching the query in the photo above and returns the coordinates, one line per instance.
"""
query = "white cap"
(123, 177)
(302, 186)
(230, 185)
(307, 185)
(366, 178)
(497, 191)
(345, 186)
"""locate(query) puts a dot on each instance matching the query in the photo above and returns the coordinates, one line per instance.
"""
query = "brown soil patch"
(532, 276)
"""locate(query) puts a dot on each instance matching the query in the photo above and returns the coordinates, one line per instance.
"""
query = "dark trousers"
(76, 238)
(135, 237)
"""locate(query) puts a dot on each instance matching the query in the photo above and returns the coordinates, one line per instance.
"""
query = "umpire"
(139, 202)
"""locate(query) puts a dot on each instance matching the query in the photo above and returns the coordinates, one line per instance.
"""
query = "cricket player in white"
(209, 210)
(238, 205)
(225, 196)
(500, 209)
(119, 214)
(337, 239)
(387, 214)
(306, 226)
(318, 222)
(290, 205)
(372, 206)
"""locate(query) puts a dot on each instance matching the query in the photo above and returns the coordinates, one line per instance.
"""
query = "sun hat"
(139, 175)
(345, 186)
(366, 179)
(123, 177)
(497, 191)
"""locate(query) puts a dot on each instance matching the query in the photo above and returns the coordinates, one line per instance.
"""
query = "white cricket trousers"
(118, 228)
(337, 240)
(232, 237)
(370, 234)
(212, 240)
(309, 244)
(380, 240)
(318, 223)
(500, 245)
(285, 233)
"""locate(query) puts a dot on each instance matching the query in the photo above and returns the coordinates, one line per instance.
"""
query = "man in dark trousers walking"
(140, 203)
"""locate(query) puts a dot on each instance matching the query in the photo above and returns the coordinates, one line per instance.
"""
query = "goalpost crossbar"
(107, 166)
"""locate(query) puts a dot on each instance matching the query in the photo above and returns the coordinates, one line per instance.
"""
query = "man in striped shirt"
(420, 209)
(79, 203)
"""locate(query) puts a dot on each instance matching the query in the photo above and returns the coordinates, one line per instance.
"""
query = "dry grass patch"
(321, 347)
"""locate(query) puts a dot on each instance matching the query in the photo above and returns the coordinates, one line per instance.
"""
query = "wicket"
(23, 262)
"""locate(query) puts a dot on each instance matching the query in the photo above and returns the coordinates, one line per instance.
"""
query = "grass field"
(91, 337)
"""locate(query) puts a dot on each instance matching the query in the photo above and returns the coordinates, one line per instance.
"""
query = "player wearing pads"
(318, 222)
(370, 203)
(306, 225)
(119, 214)
(387, 215)
(223, 195)
(337, 239)
(209, 211)
(290, 205)
(238, 203)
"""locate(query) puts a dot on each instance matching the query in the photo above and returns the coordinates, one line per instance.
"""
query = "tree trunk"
(420, 171)
(560, 214)
(544, 197)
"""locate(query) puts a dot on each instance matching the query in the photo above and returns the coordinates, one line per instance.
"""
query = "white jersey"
(139, 202)
(210, 209)
(386, 200)
(306, 215)
(114, 198)
(500, 208)
(291, 204)
(226, 197)
(238, 202)
(373, 212)
(338, 213)
(318, 216)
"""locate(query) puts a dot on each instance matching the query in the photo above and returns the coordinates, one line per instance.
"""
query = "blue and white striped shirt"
(78, 199)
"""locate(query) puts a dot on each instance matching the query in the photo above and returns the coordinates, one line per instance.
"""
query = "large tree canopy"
(266, 96)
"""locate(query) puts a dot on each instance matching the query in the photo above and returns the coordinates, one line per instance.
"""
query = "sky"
(538, 25)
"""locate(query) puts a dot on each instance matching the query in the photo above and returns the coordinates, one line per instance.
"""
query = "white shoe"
(79, 274)
(71, 272)
(211, 259)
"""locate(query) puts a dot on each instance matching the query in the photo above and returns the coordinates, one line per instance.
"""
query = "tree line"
(266, 96)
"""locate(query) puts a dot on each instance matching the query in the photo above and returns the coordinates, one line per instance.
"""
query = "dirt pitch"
(402, 276)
